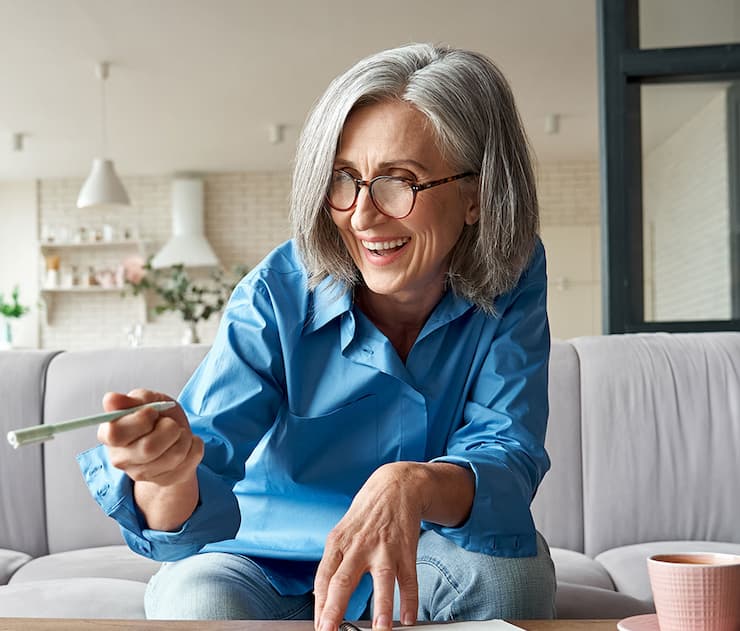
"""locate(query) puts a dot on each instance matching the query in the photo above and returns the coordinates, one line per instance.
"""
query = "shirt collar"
(333, 300)
(449, 308)
(328, 302)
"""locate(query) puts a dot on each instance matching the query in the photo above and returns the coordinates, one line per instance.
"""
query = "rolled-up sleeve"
(230, 401)
(501, 439)
(216, 516)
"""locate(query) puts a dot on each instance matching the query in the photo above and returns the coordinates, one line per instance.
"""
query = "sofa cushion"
(627, 565)
(581, 601)
(661, 438)
(577, 568)
(10, 561)
(106, 562)
(73, 598)
(558, 505)
(76, 385)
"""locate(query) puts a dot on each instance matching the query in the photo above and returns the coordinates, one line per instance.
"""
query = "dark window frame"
(623, 68)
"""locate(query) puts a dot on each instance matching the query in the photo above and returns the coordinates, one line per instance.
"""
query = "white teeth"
(385, 245)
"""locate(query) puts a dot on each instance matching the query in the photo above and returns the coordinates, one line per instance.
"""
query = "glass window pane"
(669, 23)
(686, 202)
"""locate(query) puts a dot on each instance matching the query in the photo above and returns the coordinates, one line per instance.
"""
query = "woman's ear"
(472, 211)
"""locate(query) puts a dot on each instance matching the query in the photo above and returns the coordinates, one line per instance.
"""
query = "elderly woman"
(366, 434)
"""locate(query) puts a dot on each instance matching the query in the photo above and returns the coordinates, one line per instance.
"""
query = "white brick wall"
(568, 193)
(246, 215)
(569, 211)
(687, 254)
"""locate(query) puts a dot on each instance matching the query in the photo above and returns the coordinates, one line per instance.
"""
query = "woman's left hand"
(378, 534)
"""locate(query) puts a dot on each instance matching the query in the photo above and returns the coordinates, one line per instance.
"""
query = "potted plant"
(10, 311)
(175, 290)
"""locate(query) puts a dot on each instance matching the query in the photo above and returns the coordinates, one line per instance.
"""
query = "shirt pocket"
(335, 451)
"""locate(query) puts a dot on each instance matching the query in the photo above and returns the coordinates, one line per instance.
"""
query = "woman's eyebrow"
(402, 163)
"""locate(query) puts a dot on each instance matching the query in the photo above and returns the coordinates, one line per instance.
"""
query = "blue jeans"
(454, 584)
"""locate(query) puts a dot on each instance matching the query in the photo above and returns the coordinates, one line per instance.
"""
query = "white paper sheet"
(480, 625)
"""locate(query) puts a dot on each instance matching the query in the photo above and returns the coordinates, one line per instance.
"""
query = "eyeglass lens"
(392, 196)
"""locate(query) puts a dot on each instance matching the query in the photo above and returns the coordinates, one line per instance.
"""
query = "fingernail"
(383, 621)
(407, 620)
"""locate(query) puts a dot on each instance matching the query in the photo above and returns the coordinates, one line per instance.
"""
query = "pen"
(38, 433)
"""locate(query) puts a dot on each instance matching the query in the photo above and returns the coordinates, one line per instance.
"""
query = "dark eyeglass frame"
(415, 188)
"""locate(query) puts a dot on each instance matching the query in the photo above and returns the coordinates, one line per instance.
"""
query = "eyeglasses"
(392, 196)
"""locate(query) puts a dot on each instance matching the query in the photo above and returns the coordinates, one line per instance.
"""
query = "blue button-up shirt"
(301, 398)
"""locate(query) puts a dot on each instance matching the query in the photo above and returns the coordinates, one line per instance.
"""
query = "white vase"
(190, 335)
(6, 334)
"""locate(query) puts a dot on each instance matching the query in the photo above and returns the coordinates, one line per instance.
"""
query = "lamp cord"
(103, 138)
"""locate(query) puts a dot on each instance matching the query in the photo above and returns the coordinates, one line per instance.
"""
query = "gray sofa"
(644, 435)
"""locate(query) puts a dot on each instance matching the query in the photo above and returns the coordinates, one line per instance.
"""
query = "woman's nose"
(365, 214)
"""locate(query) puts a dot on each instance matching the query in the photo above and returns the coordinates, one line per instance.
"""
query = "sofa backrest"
(644, 434)
(76, 383)
(22, 379)
(661, 438)
(78, 380)
(558, 505)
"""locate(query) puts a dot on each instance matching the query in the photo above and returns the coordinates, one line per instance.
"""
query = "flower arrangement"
(14, 309)
(194, 299)
(9, 310)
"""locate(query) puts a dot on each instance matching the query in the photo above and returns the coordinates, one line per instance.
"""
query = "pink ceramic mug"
(697, 591)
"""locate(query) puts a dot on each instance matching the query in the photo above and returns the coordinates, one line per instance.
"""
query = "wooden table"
(69, 624)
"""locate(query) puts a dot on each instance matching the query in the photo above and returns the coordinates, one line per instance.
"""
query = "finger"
(148, 396)
(129, 428)
(166, 433)
(384, 581)
(177, 473)
(119, 401)
(330, 561)
(342, 584)
(408, 588)
(174, 465)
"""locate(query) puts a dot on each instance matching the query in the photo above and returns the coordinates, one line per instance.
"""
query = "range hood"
(188, 245)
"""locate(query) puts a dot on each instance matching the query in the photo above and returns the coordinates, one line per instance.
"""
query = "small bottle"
(91, 277)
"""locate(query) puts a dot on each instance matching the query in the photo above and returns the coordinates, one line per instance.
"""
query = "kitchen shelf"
(48, 246)
(50, 295)
(93, 253)
(81, 290)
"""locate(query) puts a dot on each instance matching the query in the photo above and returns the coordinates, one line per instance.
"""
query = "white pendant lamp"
(103, 186)
(188, 245)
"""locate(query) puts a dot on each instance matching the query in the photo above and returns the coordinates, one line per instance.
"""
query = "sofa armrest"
(10, 561)
(22, 388)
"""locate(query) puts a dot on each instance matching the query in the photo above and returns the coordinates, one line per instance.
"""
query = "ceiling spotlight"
(275, 133)
(552, 123)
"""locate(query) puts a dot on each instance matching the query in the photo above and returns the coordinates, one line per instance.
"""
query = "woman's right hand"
(159, 452)
(150, 446)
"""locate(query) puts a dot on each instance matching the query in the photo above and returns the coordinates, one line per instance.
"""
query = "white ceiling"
(195, 84)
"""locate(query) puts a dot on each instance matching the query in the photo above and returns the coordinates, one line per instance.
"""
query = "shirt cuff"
(494, 526)
(215, 518)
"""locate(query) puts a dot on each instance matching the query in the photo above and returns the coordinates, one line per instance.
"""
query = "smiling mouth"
(383, 248)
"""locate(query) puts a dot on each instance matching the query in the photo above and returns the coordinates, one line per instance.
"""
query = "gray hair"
(471, 109)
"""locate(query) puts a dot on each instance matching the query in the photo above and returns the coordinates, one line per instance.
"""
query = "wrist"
(415, 478)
